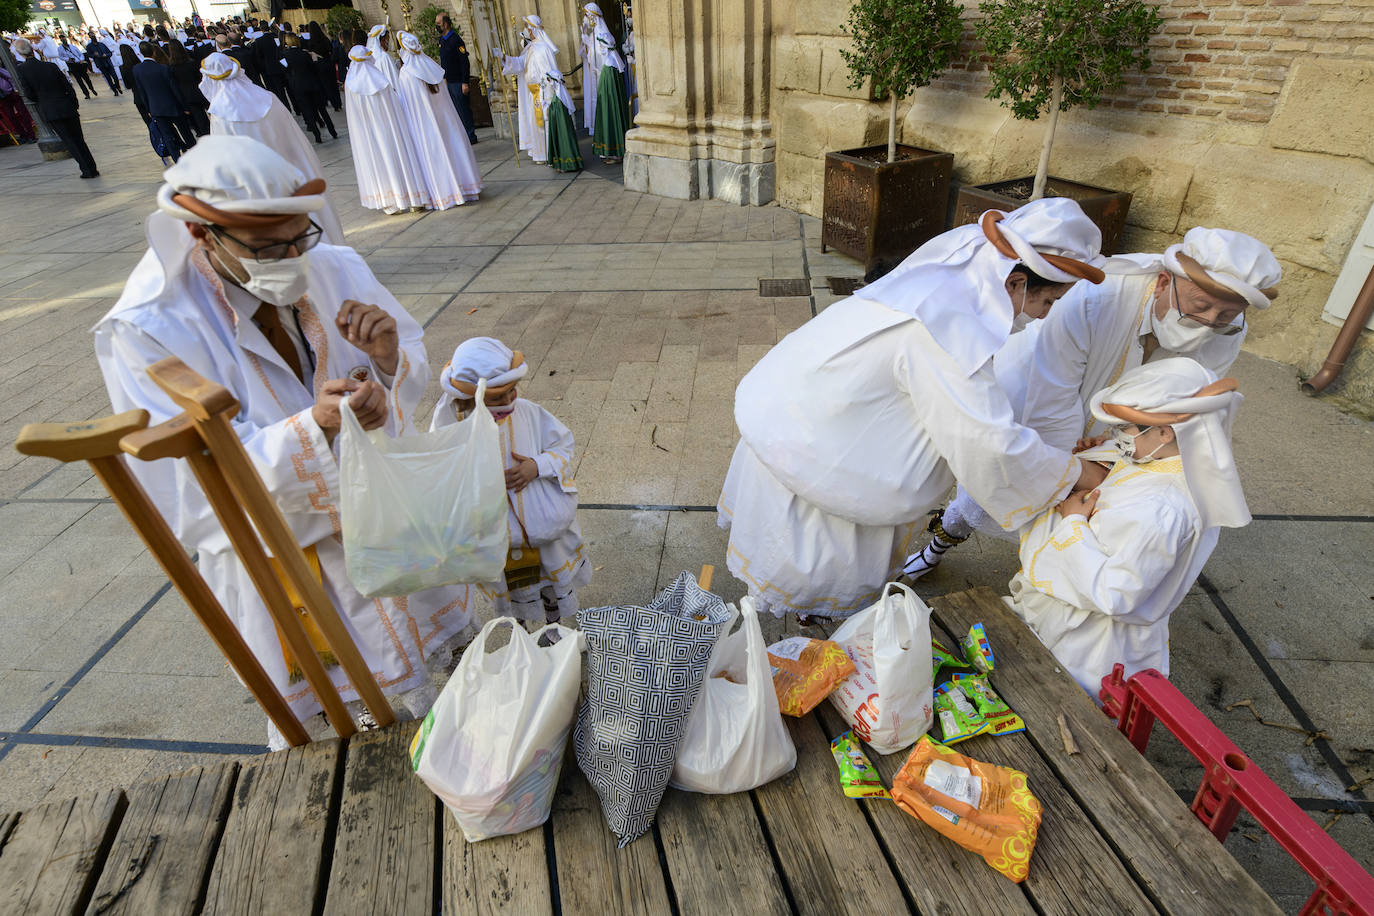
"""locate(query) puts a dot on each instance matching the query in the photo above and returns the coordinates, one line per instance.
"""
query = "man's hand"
(1079, 502)
(1090, 475)
(523, 474)
(1082, 445)
(465, 89)
(372, 330)
(368, 400)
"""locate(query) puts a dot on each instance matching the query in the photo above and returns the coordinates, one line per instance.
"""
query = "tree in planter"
(1057, 54)
(342, 18)
(425, 31)
(901, 45)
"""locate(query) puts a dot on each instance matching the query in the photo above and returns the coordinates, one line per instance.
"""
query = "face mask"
(1020, 321)
(1174, 336)
(1125, 444)
(280, 282)
(500, 413)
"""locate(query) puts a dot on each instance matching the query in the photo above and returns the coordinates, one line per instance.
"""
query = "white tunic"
(589, 78)
(192, 315)
(531, 69)
(1099, 592)
(866, 421)
(390, 177)
(547, 509)
(440, 140)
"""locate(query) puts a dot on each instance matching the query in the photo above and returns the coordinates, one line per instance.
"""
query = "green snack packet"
(977, 650)
(858, 778)
(941, 658)
(999, 716)
(956, 715)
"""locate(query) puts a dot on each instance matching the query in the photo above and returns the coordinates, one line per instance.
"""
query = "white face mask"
(1125, 444)
(280, 282)
(1173, 335)
(1020, 321)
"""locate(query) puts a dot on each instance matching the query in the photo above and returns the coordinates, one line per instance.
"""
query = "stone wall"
(1257, 115)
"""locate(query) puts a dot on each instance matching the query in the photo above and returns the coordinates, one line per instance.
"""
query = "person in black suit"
(186, 81)
(453, 57)
(98, 54)
(232, 44)
(44, 85)
(322, 52)
(153, 80)
(304, 83)
(127, 61)
(268, 51)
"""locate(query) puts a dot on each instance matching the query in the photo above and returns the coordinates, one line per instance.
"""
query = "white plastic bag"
(735, 738)
(887, 700)
(422, 510)
(492, 746)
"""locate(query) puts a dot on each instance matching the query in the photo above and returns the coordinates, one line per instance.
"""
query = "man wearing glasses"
(1189, 301)
(239, 286)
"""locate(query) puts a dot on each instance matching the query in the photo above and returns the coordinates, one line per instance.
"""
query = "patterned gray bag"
(645, 666)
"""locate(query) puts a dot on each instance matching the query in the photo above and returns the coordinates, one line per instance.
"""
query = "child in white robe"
(1102, 571)
(537, 451)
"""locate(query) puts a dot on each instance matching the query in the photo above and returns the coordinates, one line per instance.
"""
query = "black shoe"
(91, 175)
(333, 133)
(318, 139)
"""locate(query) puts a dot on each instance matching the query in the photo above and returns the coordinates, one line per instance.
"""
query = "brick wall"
(1220, 58)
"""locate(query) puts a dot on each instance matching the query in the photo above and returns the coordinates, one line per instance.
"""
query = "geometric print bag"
(645, 666)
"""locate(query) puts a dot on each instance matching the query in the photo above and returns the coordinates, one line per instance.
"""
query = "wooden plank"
(1073, 869)
(939, 875)
(279, 828)
(595, 878)
(717, 855)
(1178, 862)
(384, 848)
(502, 875)
(830, 858)
(53, 856)
(162, 854)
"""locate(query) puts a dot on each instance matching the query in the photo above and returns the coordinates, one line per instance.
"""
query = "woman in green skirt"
(612, 108)
(563, 152)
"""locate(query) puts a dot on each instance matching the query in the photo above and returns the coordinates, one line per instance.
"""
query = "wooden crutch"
(179, 438)
(210, 407)
(97, 443)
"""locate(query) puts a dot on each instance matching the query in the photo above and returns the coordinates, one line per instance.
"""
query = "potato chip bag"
(985, 808)
(858, 778)
(806, 671)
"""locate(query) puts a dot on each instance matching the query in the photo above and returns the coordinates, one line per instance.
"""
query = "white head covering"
(479, 358)
(231, 94)
(235, 175)
(955, 283)
(364, 77)
(1202, 410)
(537, 27)
(416, 62)
(1235, 261)
(603, 37)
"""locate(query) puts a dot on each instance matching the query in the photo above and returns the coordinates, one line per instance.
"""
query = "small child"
(537, 452)
(1102, 571)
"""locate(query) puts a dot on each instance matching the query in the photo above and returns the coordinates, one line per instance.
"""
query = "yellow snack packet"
(806, 671)
(981, 806)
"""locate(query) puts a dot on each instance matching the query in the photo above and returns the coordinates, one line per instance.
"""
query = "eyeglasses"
(1192, 321)
(277, 250)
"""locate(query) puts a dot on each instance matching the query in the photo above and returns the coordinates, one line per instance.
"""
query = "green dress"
(563, 152)
(612, 115)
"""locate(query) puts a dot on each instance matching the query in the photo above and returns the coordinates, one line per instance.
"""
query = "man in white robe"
(390, 177)
(1188, 301)
(379, 43)
(289, 338)
(441, 142)
(855, 425)
(240, 108)
(1101, 573)
(530, 68)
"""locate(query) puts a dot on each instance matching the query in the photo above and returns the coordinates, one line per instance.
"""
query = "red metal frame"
(1232, 781)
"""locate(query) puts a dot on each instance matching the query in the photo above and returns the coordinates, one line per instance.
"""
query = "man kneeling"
(1102, 571)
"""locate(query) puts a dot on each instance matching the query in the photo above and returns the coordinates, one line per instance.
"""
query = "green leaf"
(901, 44)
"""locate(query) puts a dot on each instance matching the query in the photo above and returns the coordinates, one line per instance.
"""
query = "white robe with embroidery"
(390, 177)
(547, 508)
(187, 314)
(441, 142)
(1099, 592)
(590, 74)
(853, 427)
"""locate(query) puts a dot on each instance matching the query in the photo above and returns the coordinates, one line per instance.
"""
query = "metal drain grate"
(776, 288)
(844, 286)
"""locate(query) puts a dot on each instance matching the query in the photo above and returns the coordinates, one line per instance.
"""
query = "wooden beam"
(54, 854)
(502, 876)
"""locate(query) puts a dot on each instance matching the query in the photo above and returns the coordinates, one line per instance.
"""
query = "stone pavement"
(638, 316)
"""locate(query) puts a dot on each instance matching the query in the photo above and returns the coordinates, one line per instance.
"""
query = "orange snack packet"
(981, 806)
(806, 671)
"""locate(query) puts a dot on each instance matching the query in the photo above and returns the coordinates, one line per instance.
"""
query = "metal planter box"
(1107, 209)
(880, 211)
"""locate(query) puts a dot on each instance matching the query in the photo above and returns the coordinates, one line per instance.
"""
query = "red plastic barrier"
(1233, 781)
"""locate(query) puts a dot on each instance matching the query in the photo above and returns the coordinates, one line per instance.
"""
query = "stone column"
(703, 129)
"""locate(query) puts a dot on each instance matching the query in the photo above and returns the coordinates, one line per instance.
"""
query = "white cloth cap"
(1239, 262)
(364, 76)
(231, 94)
(955, 283)
(477, 359)
(237, 175)
(1204, 440)
(537, 26)
(416, 62)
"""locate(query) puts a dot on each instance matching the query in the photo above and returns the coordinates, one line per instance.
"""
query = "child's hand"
(1082, 445)
(523, 474)
(1079, 502)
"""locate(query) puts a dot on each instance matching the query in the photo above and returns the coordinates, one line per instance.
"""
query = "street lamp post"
(48, 144)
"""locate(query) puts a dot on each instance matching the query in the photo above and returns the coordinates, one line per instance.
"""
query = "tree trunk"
(892, 130)
(1042, 170)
